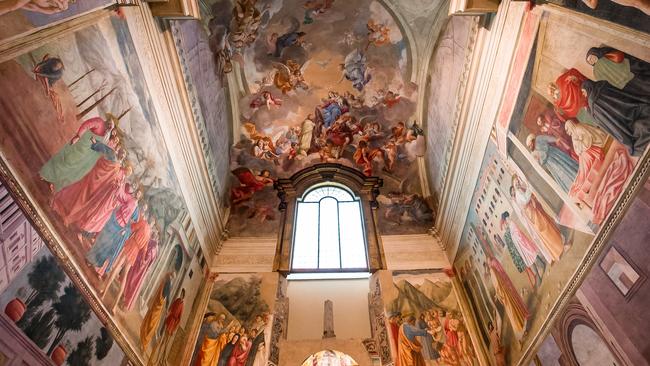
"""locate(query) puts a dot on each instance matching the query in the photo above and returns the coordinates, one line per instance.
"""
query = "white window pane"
(328, 191)
(353, 249)
(305, 249)
(329, 234)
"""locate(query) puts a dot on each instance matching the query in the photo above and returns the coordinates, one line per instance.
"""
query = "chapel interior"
(324, 182)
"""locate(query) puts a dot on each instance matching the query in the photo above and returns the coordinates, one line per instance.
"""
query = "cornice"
(163, 73)
(486, 80)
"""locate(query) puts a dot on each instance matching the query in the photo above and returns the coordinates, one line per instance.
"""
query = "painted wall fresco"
(19, 18)
(551, 174)
(632, 14)
(446, 67)
(425, 324)
(236, 327)
(325, 82)
(208, 95)
(40, 299)
(81, 135)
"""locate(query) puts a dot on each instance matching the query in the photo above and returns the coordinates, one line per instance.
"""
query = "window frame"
(355, 198)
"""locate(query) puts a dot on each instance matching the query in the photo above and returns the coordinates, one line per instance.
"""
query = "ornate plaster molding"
(163, 72)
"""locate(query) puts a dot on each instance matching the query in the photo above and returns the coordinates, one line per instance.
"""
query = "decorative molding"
(258, 255)
(417, 251)
(289, 190)
(485, 86)
(166, 83)
(53, 242)
(378, 322)
(196, 111)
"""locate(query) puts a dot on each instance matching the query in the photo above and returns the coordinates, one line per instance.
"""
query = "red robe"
(140, 235)
(89, 202)
(239, 355)
(571, 97)
(174, 316)
(249, 186)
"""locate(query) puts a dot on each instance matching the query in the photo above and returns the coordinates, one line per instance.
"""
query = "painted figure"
(588, 143)
(355, 69)
(559, 164)
(77, 158)
(136, 275)
(623, 115)
(568, 98)
(249, 184)
(409, 349)
(620, 69)
(522, 249)
(151, 320)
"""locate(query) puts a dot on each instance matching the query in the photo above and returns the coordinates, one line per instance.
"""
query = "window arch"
(329, 233)
(332, 187)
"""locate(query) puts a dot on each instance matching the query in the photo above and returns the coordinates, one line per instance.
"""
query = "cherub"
(315, 7)
(265, 98)
(378, 34)
(289, 76)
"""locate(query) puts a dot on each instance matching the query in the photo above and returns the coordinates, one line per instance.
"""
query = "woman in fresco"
(559, 164)
(228, 348)
(623, 71)
(522, 249)
(588, 142)
(540, 223)
(77, 158)
(549, 124)
(623, 115)
(241, 350)
(136, 275)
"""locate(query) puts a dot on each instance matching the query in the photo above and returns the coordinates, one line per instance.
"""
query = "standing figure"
(136, 275)
(151, 320)
(523, 251)
(539, 222)
(306, 135)
(624, 115)
(172, 321)
(620, 69)
(559, 164)
(409, 348)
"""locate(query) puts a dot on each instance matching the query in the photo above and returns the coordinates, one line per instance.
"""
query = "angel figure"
(354, 69)
(378, 34)
(315, 7)
(387, 98)
(220, 47)
(249, 183)
(245, 23)
(289, 76)
(265, 98)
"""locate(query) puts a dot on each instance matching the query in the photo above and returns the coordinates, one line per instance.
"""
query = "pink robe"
(239, 355)
(588, 161)
(137, 273)
(89, 202)
(526, 248)
(612, 185)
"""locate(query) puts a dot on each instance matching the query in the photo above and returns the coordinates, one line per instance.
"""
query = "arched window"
(329, 231)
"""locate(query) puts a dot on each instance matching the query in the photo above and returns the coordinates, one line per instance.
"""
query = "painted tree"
(71, 314)
(103, 344)
(83, 354)
(45, 280)
(39, 327)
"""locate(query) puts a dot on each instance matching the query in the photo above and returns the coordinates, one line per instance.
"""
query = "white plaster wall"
(350, 298)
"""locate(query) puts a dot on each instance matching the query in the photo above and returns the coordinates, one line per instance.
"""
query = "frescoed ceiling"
(320, 81)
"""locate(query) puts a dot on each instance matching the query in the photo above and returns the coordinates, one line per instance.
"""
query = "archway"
(329, 358)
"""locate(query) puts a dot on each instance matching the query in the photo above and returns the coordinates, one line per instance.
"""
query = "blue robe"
(284, 41)
(110, 241)
(331, 113)
(559, 164)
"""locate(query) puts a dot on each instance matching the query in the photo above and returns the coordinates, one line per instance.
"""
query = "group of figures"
(235, 332)
(105, 188)
(573, 140)
(231, 344)
(323, 96)
(561, 159)
(434, 335)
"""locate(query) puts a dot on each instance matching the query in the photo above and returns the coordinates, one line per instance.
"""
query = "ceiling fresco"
(324, 81)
